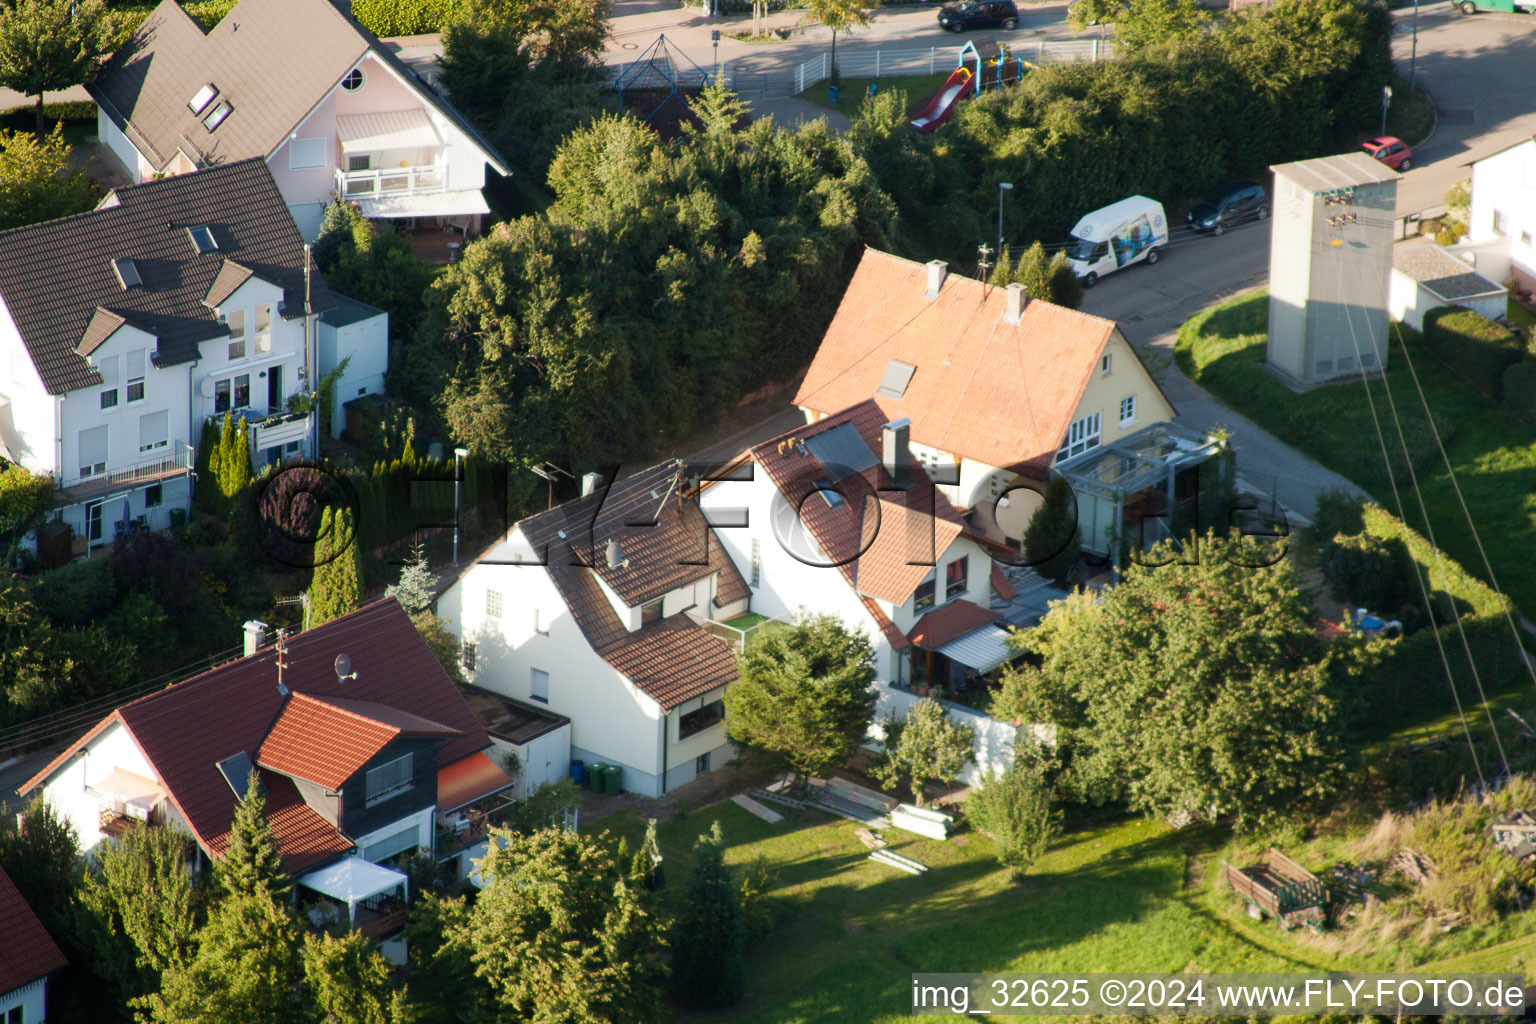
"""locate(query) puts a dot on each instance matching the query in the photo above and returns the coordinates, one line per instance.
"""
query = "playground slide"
(961, 83)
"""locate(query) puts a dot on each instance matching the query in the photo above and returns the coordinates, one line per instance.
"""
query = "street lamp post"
(1413, 58)
(714, 37)
(1002, 186)
(459, 455)
(1386, 99)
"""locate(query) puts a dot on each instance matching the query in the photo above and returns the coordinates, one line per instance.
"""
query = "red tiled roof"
(303, 836)
(892, 634)
(327, 741)
(467, 780)
(884, 540)
(186, 730)
(1002, 586)
(951, 622)
(27, 951)
(982, 389)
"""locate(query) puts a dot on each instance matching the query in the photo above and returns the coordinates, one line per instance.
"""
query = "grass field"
(1113, 894)
(1493, 450)
(853, 90)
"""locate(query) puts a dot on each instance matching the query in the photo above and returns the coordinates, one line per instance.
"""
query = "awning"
(468, 779)
(393, 129)
(462, 203)
(131, 787)
(983, 649)
(352, 880)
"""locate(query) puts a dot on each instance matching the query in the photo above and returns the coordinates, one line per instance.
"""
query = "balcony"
(115, 817)
(739, 630)
(389, 182)
(276, 431)
(175, 460)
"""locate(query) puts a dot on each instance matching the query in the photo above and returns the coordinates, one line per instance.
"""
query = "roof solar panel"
(897, 376)
(236, 770)
(841, 452)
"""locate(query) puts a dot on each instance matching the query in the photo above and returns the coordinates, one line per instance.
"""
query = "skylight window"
(127, 273)
(236, 770)
(897, 376)
(828, 493)
(204, 97)
(202, 238)
(216, 118)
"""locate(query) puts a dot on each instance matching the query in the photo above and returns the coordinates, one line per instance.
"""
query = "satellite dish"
(205, 388)
(344, 667)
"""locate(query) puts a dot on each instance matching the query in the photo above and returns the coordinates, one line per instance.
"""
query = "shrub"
(1015, 810)
(1470, 343)
(1369, 571)
(78, 592)
(1520, 387)
(1337, 512)
(401, 17)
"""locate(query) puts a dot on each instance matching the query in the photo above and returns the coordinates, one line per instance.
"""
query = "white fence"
(993, 746)
(934, 59)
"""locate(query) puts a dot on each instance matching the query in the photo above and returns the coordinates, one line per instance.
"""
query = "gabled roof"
(326, 740)
(273, 61)
(27, 951)
(883, 540)
(980, 388)
(58, 283)
(186, 730)
(667, 544)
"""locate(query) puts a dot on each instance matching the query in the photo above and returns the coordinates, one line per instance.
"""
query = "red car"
(1391, 151)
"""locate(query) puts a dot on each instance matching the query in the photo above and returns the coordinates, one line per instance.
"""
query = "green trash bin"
(178, 517)
(595, 775)
(613, 780)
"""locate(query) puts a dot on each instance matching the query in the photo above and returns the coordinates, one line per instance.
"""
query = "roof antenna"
(282, 659)
(983, 265)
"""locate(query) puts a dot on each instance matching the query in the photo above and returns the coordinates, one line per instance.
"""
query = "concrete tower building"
(1330, 265)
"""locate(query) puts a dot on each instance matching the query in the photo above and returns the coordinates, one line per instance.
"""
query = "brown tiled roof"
(273, 61)
(27, 951)
(55, 277)
(671, 660)
(982, 389)
(325, 741)
(884, 540)
(893, 636)
(1002, 586)
(951, 622)
(186, 730)
(303, 836)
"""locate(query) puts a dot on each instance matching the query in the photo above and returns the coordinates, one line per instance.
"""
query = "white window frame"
(88, 470)
(1082, 435)
(134, 370)
(263, 327)
(539, 626)
(1127, 410)
(362, 80)
(951, 593)
(109, 397)
(313, 158)
(493, 604)
(371, 798)
(392, 845)
(535, 677)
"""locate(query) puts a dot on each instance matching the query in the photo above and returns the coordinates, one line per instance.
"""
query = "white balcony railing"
(171, 461)
(391, 181)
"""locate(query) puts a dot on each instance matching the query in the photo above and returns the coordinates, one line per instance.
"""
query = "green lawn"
(853, 90)
(1493, 450)
(850, 931)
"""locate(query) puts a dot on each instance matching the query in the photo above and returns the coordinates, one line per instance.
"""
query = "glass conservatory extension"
(1143, 488)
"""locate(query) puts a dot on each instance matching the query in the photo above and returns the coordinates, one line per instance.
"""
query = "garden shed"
(1427, 276)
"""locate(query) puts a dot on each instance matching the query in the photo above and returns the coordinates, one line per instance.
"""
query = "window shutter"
(135, 360)
(153, 431)
(108, 370)
(93, 446)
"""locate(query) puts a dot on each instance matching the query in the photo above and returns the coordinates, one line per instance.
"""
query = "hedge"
(24, 118)
(1520, 387)
(401, 17)
(1470, 343)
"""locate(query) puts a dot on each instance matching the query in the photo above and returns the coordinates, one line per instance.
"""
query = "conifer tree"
(222, 459)
(251, 861)
(709, 936)
(237, 464)
(337, 583)
(417, 583)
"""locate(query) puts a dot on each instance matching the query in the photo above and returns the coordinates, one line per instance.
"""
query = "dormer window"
(127, 273)
(650, 612)
(202, 238)
(204, 97)
(217, 117)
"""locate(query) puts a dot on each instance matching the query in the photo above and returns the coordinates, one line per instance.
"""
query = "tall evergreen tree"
(251, 861)
(208, 497)
(709, 937)
(237, 466)
(1052, 539)
(336, 588)
(140, 888)
(417, 585)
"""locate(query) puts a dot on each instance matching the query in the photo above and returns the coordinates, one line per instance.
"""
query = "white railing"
(931, 61)
(390, 181)
(285, 429)
(173, 461)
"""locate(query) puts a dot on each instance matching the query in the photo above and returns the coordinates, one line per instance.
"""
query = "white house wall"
(1505, 183)
(365, 346)
(287, 351)
(993, 745)
(424, 820)
(66, 791)
(27, 423)
(544, 759)
(31, 999)
(611, 719)
(108, 132)
(978, 582)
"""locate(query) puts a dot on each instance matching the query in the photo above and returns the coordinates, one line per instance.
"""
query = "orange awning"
(468, 779)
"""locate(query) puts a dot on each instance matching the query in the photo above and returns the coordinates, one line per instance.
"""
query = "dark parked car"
(1230, 204)
(979, 14)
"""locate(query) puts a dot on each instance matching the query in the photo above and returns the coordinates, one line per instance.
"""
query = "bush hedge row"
(1520, 387)
(1476, 346)
(401, 17)
(24, 118)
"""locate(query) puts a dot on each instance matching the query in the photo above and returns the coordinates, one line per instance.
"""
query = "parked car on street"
(1232, 203)
(979, 14)
(1130, 231)
(1392, 151)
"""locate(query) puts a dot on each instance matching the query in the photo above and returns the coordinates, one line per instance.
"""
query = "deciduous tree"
(803, 699)
(1014, 808)
(923, 746)
(48, 45)
(140, 888)
(25, 498)
(709, 936)
(346, 981)
(35, 181)
(839, 16)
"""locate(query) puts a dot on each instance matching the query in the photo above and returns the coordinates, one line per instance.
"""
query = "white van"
(1116, 236)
